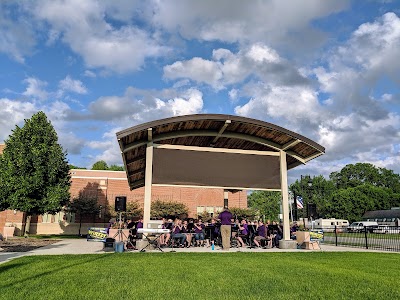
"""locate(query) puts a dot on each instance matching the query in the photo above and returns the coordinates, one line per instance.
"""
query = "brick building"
(105, 186)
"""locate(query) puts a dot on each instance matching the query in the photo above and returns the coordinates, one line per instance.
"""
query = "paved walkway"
(81, 246)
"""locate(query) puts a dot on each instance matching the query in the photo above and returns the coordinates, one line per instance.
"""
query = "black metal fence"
(381, 237)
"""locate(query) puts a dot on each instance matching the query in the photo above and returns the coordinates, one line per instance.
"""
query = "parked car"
(387, 229)
(359, 226)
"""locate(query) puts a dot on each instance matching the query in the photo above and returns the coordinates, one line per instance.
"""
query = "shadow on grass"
(38, 275)
(11, 265)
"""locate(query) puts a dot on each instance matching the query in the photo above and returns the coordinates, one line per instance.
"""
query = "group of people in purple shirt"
(188, 233)
(225, 229)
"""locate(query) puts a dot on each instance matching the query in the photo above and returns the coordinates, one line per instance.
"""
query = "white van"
(359, 226)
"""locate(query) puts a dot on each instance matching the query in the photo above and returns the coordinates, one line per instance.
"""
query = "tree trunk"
(27, 225)
(80, 223)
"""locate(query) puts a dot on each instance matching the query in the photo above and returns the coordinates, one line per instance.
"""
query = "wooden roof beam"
(136, 159)
(220, 132)
(290, 144)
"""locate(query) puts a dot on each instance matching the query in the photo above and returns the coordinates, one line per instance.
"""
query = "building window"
(46, 218)
(69, 217)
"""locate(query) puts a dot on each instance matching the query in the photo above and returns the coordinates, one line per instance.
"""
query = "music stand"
(252, 231)
(121, 234)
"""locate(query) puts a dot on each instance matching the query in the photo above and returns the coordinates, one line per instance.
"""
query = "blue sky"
(329, 70)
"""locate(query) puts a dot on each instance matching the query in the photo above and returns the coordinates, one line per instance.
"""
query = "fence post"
(366, 239)
(335, 235)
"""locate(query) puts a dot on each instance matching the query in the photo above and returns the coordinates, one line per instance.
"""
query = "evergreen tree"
(34, 172)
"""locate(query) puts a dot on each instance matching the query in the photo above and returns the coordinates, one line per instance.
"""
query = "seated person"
(139, 224)
(277, 234)
(165, 237)
(243, 233)
(261, 235)
(293, 229)
(199, 232)
(234, 227)
(177, 233)
(186, 231)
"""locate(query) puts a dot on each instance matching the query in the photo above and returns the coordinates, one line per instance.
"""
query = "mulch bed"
(23, 244)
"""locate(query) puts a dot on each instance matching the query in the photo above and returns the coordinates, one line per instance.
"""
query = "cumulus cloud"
(84, 27)
(35, 88)
(17, 38)
(227, 68)
(362, 123)
(72, 85)
(236, 21)
(13, 112)
(297, 107)
(141, 105)
(108, 148)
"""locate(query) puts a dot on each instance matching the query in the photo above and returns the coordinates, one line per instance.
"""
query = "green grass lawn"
(312, 275)
(362, 235)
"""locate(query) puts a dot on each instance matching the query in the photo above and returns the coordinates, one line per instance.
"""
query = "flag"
(299, 202)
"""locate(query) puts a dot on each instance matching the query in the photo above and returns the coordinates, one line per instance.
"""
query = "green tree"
(316, 190)
(100, 165)
(34, 173)
(244, 213)
(266, 202)
(116, 168)
(161, 209)
(133, 209)
(75, 167)
(365, 173)
(82, 206)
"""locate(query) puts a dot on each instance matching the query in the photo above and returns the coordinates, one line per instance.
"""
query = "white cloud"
(108, 148)
(140, 105)
(89, 73)
(35, 88)
(72, 85)
(360, 127)
(17, 38)
(83, 26)
(197, 69)
(227, 68)
(298, 106)
(13, 113)
(233, 21)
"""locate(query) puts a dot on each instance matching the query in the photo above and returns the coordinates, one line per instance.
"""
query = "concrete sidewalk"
(81, 246)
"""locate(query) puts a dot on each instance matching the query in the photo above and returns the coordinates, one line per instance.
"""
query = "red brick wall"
(106, 185)
(8, 216)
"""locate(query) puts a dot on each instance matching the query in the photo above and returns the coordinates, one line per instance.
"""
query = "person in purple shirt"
(139, 224)
(225, 218)
(178, 234)
(199, 232)
(186, 231)
(261, 234)
(244, 231)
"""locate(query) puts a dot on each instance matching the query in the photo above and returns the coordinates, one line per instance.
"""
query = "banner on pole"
(299, 202)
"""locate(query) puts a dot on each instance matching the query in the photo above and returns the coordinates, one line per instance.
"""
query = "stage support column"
(286, 242)
(148, 183)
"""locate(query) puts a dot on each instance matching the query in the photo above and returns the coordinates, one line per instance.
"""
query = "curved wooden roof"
(212, 130)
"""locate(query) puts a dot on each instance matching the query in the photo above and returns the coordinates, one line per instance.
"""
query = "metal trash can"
(119, 247)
